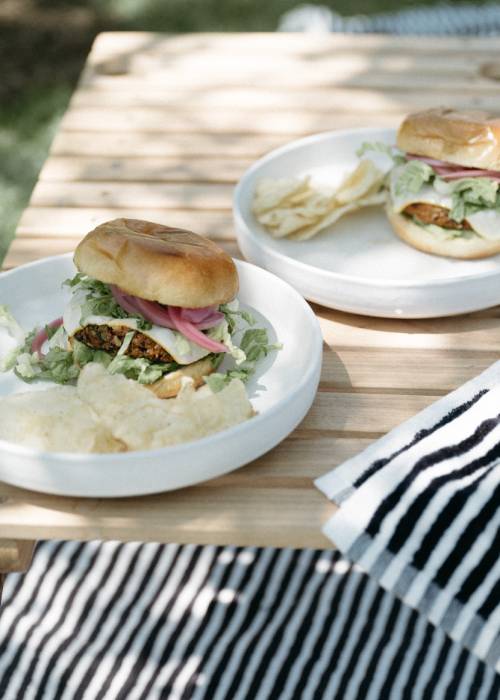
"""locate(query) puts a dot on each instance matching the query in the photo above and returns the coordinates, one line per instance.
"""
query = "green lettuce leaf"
(376, 146)
(232, 313)
(8, 321)
(16, 333)
(57, 366)
(140, 369)
(222, 334)
(99, 301)
(471, 195)
(255, 345)
(412, 177)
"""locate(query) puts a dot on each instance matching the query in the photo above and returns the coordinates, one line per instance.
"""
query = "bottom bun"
(169, 386)
(428, 242)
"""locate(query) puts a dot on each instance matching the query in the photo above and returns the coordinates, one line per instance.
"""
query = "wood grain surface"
(162, 128)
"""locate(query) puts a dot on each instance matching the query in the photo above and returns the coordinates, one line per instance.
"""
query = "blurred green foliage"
(43, 45)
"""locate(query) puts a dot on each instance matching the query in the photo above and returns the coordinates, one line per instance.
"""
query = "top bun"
(469, 138)
(159, 263)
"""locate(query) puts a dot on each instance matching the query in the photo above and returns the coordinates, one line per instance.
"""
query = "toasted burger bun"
(169, 386)
(169, 265)
(418, 237)
(469, 138)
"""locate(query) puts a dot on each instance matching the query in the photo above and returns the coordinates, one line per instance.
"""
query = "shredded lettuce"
(62, 363)
(99, 301)
(222, 334)
(140, 369)
(377, 147)
(57, 365)
(8, 321)
(9, 360)
(16, 335)
(412, 177)
(471, 195)
(468, 194)
(255, 345)
(232, 313)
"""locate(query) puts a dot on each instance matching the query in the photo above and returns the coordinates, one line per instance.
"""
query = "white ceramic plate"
(358, 264)
(281, 391)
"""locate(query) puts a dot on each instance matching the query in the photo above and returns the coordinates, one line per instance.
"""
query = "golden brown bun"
(469, 138)
(169, 386)
(418, 237)
(159, 263)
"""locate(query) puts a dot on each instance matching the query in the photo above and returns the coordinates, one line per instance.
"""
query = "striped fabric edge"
(103, 621)
(414, 496)
(340, 483)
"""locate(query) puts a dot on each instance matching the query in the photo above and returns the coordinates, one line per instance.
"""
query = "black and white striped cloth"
(420, 513)
(444, 19)
(127, 621)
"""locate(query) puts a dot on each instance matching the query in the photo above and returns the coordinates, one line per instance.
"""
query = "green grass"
(26, 130)
(41, 63)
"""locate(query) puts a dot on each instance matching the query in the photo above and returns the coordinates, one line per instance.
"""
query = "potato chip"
(363, 181)
(308, 232)
(54, 420)
(282, 222)
(126, 408)
(138, 418)
(271, 193)
(291, 208)
(196, 414)
(109, 413)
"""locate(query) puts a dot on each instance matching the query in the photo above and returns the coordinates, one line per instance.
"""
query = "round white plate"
(358, 264)
(282, 391)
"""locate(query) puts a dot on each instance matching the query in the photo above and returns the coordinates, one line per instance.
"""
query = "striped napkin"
(113, 621)
(420, 513)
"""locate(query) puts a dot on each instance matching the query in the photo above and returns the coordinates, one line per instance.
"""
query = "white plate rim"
(241, 224)
(81, 458)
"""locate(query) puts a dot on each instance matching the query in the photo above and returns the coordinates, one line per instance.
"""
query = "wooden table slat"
(117, 44)
(434, 84)
(126, 169)
(143, 144)
(254, 99)
(236, 120)
(133, 194)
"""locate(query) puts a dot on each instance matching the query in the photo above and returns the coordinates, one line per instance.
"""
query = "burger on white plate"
(151, 302)
(443, 191)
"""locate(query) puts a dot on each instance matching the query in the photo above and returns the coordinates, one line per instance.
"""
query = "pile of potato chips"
(292, 208)
(109, 413)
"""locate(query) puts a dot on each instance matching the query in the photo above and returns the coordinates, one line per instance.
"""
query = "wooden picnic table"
(161, 128)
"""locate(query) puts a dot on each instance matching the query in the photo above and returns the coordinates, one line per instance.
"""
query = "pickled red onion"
(197, 315)
(193, 333)
(154, 312)
(189, 322)
(202, 318)
(211, 321)
(41, 336)
(452, 171)
(124, 300)
(458, 174)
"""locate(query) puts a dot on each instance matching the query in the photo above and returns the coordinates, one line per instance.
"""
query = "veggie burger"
(444, 193)
(153, 303)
